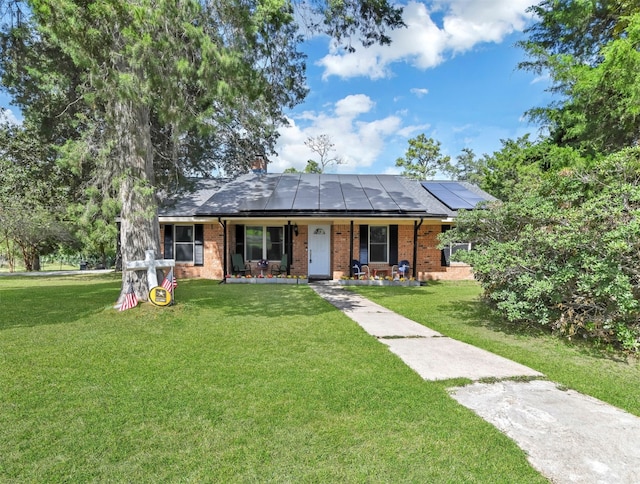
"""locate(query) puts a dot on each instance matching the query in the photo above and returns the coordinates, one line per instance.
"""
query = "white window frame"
(264, 242)
(466, 246)
(176, 243)
(386, 261)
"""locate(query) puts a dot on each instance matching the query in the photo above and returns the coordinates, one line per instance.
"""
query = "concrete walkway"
(568, 437)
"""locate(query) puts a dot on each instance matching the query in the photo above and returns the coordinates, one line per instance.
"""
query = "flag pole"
(173, 287)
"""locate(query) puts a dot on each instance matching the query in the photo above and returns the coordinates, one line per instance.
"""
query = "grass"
(454, 309)
(48, 266)
(235, 383)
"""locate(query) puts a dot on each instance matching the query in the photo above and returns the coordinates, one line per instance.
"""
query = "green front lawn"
(235, 383)
(453, 309)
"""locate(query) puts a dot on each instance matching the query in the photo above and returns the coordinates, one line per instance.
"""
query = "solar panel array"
(453, 194)
(313, 193)
(333, 193)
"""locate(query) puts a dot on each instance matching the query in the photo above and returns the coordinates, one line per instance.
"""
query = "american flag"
(130, 299)
(170, 282)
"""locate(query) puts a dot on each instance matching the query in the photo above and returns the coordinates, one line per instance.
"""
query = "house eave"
(327, 214)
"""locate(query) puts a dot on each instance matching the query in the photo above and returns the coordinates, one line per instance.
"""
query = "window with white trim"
(264, 242)
(378, 243)
(184, 243)
(454, 247)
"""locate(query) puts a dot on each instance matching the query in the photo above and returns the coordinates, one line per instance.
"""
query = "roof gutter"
(325, 214)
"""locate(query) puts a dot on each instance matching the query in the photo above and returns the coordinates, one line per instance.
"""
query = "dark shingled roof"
(188, 201)
(313, 195)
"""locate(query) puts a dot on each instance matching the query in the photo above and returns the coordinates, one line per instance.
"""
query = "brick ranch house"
(321, 222)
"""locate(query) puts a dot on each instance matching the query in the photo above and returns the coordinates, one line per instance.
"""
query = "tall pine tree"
(172, 87)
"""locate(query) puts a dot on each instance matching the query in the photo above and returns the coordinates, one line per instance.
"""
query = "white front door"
(319, 251)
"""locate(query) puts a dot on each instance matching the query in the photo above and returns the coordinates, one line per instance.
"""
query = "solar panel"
(398, 193)
(339, 194)
(308, 195)
(258, 196)
(354, 196)
(453, 194)
(331, 193)
(379, 198)
(284, 193)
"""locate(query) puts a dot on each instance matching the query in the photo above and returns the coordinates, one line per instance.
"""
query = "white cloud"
(365, 63)
(469, 22)
(413, 130)
(392, 170)
(353, 105)
(424, 44)
(359, 142)
(7, 116)
(419, 92)
(543, 78)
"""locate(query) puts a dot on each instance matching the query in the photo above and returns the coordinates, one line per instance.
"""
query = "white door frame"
(319, 250)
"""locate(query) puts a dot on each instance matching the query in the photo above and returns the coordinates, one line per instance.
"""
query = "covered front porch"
(324, 249)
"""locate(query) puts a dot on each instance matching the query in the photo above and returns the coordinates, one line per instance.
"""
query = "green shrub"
(566, 255)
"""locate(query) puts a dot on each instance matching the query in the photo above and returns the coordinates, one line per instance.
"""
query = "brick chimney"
(259, 166)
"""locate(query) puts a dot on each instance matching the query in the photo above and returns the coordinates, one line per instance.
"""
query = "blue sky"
(451, 74)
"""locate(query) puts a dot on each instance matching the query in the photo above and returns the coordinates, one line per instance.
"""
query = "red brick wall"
(339, 250)
(213, 246)
(428, 256)
(428, 264)
(300, 261)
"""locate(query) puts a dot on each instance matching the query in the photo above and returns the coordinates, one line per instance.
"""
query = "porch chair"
(280, 268)
(402, 269)
(239, 266)
(359, 269)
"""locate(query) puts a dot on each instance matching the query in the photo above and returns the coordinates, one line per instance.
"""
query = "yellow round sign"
(160, 296)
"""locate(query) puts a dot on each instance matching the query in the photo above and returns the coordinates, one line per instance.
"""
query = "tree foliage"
(521, 163)
(561, 248)
(578, 28)
(468, 167)
(345, 20)
(33, 195)
(423, 159)
(160, 89)
(591, 50)
(566, 255)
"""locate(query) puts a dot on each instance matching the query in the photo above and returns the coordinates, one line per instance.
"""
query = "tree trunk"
(139, 226)
(10, 256)
(31, 258)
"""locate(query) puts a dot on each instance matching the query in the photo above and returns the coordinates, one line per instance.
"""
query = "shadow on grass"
(480, 314)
